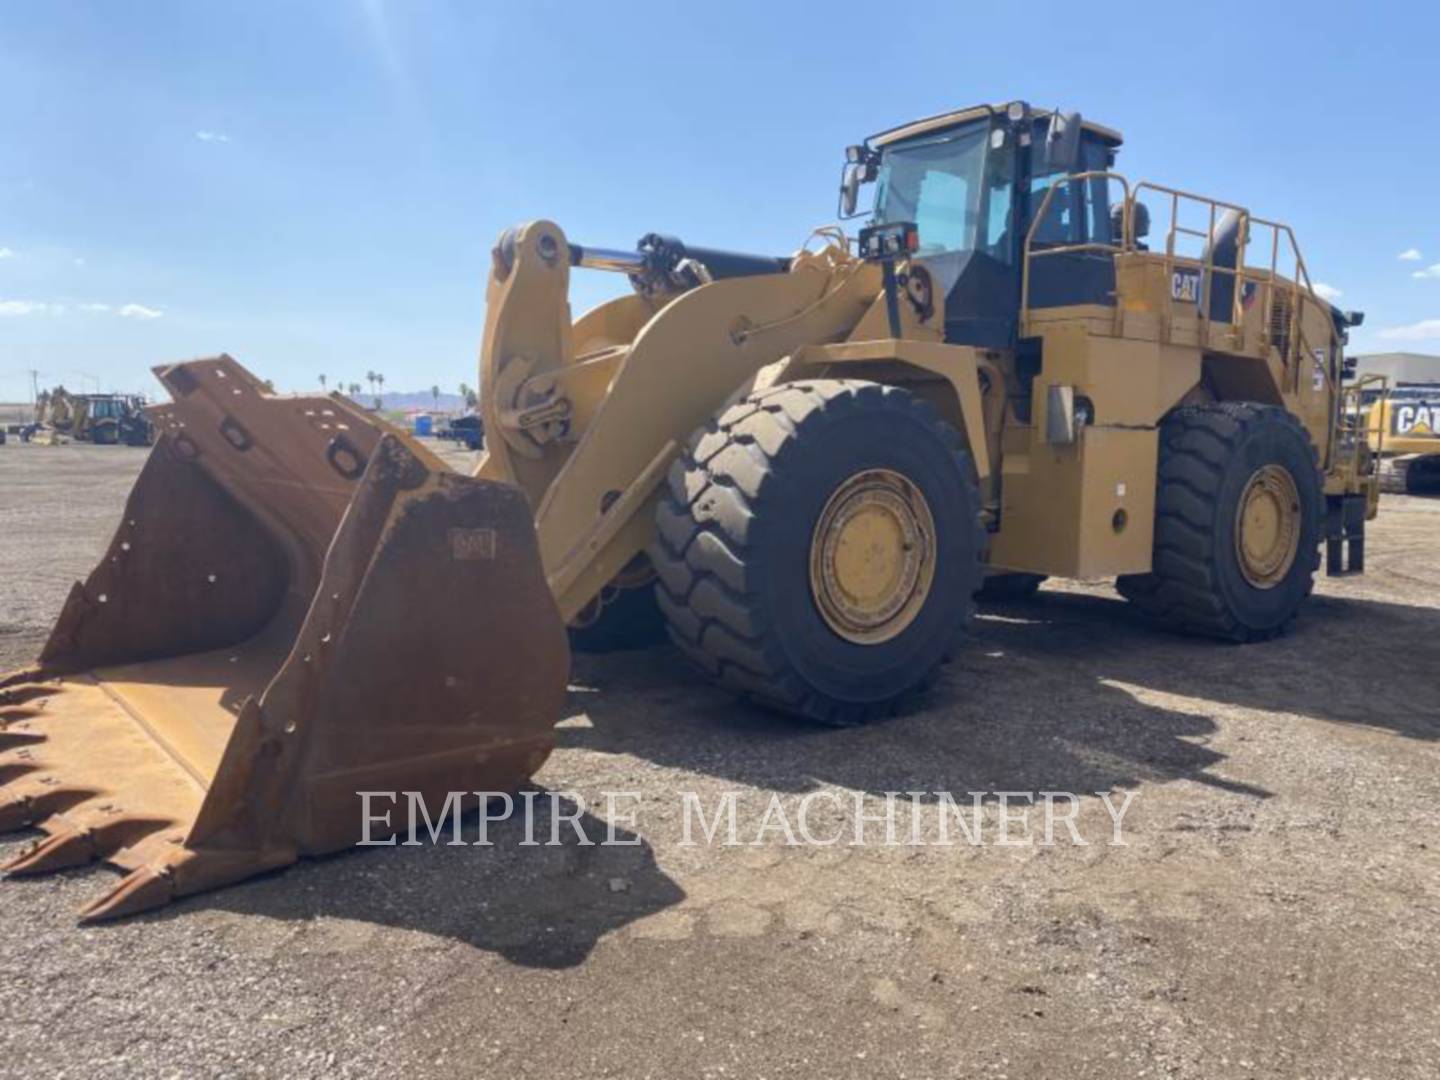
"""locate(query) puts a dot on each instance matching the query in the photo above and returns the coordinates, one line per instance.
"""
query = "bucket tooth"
(142, 890)
(14, 694)
(64, 848)
(15, 811)
(71, 843)
(26, 802)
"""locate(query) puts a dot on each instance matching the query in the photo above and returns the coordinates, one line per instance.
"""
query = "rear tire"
(1210, 577)
(760, 566)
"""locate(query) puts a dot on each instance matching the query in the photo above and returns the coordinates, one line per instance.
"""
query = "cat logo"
(1185, 286)
(1416, 418)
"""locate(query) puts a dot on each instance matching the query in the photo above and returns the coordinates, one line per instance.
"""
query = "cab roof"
(975, 112)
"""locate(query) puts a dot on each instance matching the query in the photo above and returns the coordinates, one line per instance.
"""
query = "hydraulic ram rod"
(595, 258)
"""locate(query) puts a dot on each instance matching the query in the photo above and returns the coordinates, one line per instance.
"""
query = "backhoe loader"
(808, 464)
(103, 419)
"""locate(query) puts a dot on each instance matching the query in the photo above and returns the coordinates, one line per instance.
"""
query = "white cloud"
(1431, 271)
(1409, 255)
(1326, 292)
(212, 136)
(42, 307)
(1424, 330)
(27, 307)
(7, 253)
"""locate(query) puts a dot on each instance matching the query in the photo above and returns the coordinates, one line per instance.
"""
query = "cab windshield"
(955, 189)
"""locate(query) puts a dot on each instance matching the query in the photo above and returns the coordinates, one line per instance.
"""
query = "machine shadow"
(990, 722)
(1328, 666)
(541, 906)
(1051, 695)
(1048, 696)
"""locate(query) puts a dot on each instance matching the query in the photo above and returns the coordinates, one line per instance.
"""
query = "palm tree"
(467, 395)
(370, 378)
(354, 389)
(322, 384)
(435, 396)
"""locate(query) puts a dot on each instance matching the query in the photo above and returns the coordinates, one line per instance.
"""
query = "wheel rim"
(872, 556)
(1267, 527)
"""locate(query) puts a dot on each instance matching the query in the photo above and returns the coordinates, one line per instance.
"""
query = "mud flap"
(278, 625)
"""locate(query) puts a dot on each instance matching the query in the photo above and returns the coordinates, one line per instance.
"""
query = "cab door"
(1077, 214)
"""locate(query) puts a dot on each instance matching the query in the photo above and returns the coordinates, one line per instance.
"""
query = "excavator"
(1403, 425)
(802, 467)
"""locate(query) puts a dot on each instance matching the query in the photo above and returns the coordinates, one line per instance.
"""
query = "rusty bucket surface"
(298, 605)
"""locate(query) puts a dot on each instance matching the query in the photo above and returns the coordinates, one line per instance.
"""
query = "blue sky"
(314, 187)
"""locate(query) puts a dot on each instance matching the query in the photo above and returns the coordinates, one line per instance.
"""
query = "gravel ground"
(1273, 912)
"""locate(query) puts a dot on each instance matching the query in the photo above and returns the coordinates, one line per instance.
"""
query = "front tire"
(818, 546)
(1238, 512)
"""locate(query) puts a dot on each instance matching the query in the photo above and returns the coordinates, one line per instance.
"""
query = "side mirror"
(1062, 142)
(850, 189)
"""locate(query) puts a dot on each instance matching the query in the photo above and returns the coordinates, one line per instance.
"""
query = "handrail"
(1039, 216)
(1362, 422)
(1299, 289)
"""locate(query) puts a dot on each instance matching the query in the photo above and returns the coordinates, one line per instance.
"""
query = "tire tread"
(702, 555)
(1182, 590)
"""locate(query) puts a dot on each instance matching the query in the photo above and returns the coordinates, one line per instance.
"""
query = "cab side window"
(1079, 213)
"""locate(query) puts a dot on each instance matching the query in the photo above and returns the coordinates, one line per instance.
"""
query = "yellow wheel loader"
(808, 464)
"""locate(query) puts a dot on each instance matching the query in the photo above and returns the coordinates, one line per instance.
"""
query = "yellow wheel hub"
(872, 556)
(1267, 527)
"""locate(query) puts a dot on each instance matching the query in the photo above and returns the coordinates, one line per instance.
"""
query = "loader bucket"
(298, 605)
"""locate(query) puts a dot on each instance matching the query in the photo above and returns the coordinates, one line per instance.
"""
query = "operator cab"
(104, 408)
(972, 181)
